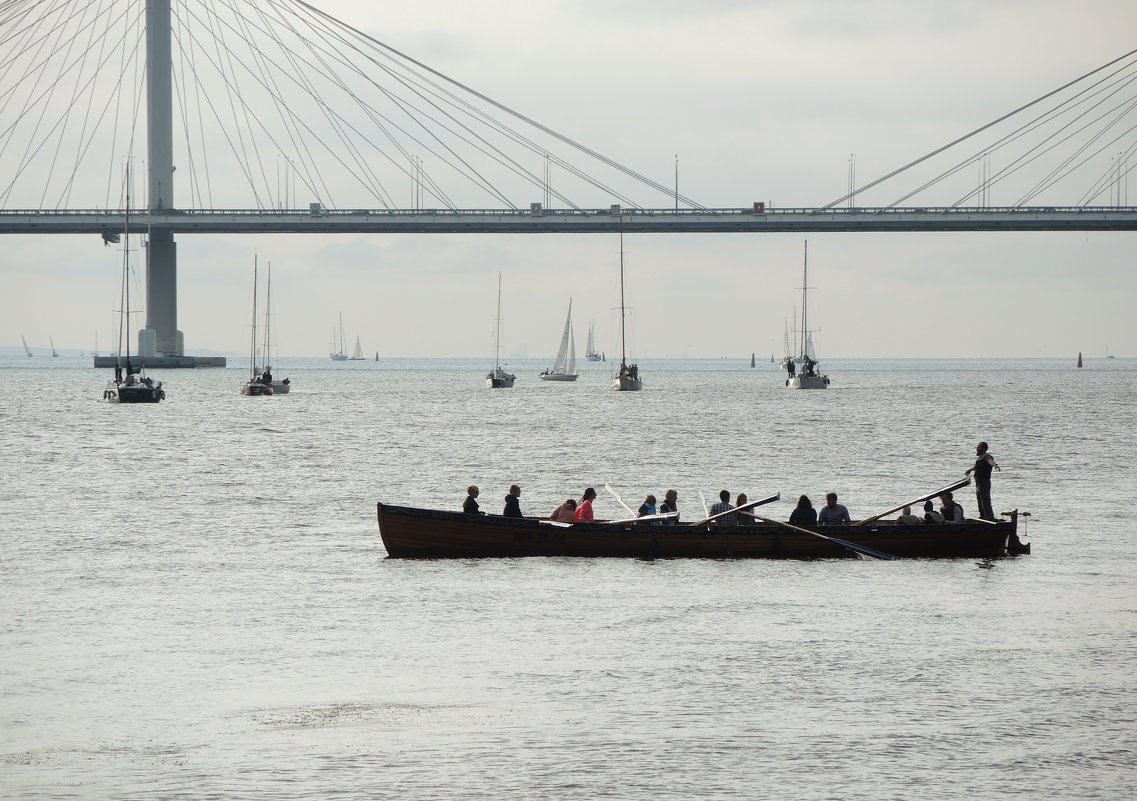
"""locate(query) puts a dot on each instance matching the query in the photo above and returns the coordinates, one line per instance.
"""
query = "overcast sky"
(758, 101)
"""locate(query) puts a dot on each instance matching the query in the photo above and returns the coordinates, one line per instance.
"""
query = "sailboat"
(498, 378)
(339, 352)
(255, 386)
(278, 387)
(27, 350)
(54, 353)
(564, 366)
(357, 354)
(134, 386)
(590, 352)
(808, 376)
(628, 378)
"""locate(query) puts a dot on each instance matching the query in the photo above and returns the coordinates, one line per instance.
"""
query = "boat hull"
(558, 376)
(808, 382)
(256, 389)
(410, 533)
(136, 393)
(281, 387)
(625, 383)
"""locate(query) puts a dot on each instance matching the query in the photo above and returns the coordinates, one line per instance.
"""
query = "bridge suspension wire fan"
(1107, 119)
(267, 92)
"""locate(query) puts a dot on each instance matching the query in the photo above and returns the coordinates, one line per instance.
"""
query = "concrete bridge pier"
(162, 297)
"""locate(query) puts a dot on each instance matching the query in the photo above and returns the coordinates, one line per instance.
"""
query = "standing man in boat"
(984, 463)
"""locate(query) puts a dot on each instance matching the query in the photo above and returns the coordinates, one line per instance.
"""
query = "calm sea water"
(195, 602)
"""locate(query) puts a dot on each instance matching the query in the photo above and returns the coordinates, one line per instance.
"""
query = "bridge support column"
(162, 293)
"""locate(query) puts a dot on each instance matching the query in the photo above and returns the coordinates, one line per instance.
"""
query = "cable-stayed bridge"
(245, 107)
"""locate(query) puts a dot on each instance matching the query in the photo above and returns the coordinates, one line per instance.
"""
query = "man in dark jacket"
(513, 502)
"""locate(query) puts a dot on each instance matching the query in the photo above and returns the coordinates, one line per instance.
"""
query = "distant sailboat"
(590, 351)
(27, 351)
(357, 354)
(498, 378)
(628, 378)
(255, 387)
(1079, 358)
(134, 386)
(807, 377)
(339, 347)
(54, 353)
(278, 387)
(564, 365)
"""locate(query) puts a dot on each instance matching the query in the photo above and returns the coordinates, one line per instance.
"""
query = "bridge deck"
(572, 221)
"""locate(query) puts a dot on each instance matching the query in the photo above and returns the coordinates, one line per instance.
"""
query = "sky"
(745, 101)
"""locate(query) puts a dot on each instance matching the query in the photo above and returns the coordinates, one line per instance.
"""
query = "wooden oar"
(742, 508)
(852, 546)
(618, 498)
(914, 501)
(645, 519)
(706, 511)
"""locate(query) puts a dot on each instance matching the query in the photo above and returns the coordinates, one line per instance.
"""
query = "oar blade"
(862, 549)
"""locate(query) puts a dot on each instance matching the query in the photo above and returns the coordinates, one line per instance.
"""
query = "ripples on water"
(196, 603)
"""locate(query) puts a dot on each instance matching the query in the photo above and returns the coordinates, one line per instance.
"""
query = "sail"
(591, 348)
(562, 351)
(571, 369)
(358, 353)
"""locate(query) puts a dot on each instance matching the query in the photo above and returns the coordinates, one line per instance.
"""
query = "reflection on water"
(196, 602)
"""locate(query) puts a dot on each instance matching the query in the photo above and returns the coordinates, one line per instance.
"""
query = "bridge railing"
(607, 212)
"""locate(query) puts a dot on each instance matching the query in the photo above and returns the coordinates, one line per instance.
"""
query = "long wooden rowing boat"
(410, 533)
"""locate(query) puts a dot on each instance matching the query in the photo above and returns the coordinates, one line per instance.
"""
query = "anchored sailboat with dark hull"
(130, 383)
(627, 378)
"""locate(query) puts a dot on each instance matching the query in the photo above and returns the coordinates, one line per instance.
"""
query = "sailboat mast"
(253, 338)
(124, 298)
(497, 327)
(623, 352)
(268, 312)
(804, 313)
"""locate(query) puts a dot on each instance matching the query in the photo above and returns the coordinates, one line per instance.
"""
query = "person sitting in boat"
(807, 367)
(470, 505)
(670, 504)
(513, 502)
(266, 377)
(565, 512)
(584, 509)
(952, 511)
(148, 381)
(804, 514)
(118, 373)
(724, 505)
(744, 517)
(907, 518)
(930, 513)
(648, 507)
(833, 513)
